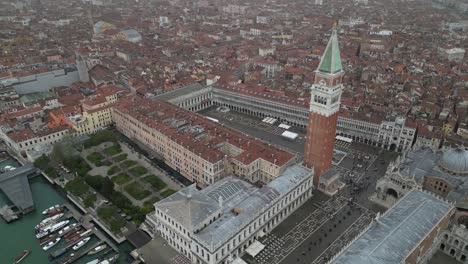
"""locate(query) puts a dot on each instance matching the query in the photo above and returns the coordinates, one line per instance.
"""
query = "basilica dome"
(455, 161)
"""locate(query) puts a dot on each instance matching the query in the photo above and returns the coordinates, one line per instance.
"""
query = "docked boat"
(67, 259)
(110, 260)
(72, 232)
(67, 229)
(81, 243)
(56, 211)
(50, 209)
(48, 220)
(96, 261)
(42, 234)
(74, 238)
(22, 256)
(51, 244)
(58, 226)
(86, 233)
(97, 249)
(46, 240)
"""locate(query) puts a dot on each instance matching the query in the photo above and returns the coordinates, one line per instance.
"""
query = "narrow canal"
(19, 235)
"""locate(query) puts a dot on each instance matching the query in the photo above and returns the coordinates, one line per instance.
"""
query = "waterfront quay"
(21, 236)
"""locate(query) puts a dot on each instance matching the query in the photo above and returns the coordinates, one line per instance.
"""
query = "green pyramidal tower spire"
(331, 60)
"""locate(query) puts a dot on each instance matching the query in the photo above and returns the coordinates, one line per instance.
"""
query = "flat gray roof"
(180, 92)
(191, 207)
(394, 235)
(249, 200)
(15, 185)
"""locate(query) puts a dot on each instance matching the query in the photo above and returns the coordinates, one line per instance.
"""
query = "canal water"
(19, 235)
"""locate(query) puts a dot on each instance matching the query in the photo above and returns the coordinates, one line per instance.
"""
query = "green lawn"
(168, 192)
(128, 163)
(151, 201)
(113, 150)
(96, 158)
(157, 183)
(148, 205)
(120, 157)
(137, 191)
(138, 170)
(112, 170)
(121, 179)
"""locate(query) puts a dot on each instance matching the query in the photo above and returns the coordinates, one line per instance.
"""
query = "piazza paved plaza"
(314, 233)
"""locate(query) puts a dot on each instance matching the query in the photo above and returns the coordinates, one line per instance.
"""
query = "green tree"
(116, 225)
(95, 181)
(62, 151)
(100, 137)
(42, 162)
(77, 187)
(90, 200)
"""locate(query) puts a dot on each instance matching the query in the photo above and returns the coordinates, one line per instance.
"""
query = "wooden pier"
(90, 230)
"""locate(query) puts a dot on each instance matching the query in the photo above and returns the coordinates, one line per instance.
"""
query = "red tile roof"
(159, 115)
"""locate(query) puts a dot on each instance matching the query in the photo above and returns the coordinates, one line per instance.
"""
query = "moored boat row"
(48, 221)
(56, 227)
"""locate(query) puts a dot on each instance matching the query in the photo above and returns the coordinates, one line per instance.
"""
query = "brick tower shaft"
(324, 107)
(319, 147)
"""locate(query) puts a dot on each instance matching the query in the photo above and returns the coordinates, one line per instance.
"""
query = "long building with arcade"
(391, 133)
(202, 150)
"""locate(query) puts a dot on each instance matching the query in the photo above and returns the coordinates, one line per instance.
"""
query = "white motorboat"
(97, 249)
(67, 228)
(81, 243)
(42, 234)
(50, 209)
(51, 244)
(58, 226)
(110, 260)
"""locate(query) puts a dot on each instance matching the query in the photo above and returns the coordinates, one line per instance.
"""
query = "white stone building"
(31, 144)
(442, 172)
(219, 223)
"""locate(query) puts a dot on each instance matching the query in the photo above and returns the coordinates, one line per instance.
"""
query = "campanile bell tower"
(323, 113)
